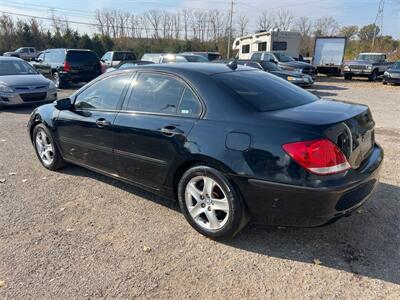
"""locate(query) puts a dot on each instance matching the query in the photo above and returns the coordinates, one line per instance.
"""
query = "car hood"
(393, 70)
(295, 65)
(320, 112)
(359, 62)
(24, 80)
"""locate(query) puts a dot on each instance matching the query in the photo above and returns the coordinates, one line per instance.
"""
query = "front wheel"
(373, 76)
(210, 203)
(46, 149)
(348, 76)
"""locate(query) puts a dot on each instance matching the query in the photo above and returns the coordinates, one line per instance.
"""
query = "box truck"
(329, 54)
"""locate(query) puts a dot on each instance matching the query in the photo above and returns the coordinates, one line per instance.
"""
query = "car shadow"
(24, 109)
(365, 244)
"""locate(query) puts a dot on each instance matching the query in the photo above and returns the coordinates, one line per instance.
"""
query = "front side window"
(106, 57)
(41, 57)
(104, 94)
(246, 49)
(283, 57)
(157, 93)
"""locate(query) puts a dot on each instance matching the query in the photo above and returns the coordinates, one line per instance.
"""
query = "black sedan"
(230, 143)
(392, 75)
(297, 78)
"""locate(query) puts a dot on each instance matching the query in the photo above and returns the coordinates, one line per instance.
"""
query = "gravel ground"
(76, 234)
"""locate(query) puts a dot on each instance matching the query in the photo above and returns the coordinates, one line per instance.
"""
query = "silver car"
(21, 84)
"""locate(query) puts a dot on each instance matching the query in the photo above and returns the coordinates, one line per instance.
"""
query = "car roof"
(10, 58)
(185, 68)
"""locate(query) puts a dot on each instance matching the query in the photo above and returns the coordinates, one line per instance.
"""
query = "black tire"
(348, 77)
(373, 76)
(57, 162)
(384, 82)
(237, 217)
(58, 82)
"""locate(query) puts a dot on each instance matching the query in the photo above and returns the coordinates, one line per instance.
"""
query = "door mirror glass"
(64, 104)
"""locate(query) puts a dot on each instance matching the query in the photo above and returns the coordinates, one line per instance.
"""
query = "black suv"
(68, 65)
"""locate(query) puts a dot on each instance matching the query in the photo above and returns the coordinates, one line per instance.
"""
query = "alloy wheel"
(44, 147)
(56, 79)
(207, 202)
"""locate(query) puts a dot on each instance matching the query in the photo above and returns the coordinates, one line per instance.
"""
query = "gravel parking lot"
(77, 234)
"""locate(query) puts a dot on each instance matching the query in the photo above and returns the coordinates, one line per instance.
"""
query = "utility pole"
(230, 29)
(378, 21)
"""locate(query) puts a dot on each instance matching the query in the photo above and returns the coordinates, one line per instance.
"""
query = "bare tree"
(154, 18)
(216, 24)
(326, 26)
(243, 22)
(186, 17)
(266, 21)
(349, 31)
(284, 19)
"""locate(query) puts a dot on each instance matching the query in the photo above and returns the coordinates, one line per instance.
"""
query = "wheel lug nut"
(209, 208)
(203, 205)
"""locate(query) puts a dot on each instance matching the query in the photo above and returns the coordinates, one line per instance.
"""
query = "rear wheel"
(46, 149)
(210, 203)
(348, 76)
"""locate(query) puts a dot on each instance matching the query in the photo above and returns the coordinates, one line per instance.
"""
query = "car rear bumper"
(290, 205)
(78, 77)
(38, 96)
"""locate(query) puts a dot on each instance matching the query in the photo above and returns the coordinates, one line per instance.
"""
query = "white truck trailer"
(274, 40)
(329, 54)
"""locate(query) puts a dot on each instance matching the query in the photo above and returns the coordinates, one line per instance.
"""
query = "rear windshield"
(124, 56)
(264, 91)
(81, 56)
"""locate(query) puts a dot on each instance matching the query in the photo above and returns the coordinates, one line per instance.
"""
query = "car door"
(85, 133)
(151, 129)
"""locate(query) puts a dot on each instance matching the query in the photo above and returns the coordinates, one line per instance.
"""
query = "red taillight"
(67, 67)
(320, 157)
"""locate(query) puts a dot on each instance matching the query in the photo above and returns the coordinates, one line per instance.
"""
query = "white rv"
(273, 40)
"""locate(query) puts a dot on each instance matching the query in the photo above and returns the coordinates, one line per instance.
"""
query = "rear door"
(84, 63)
(86, 132)
(151, 129)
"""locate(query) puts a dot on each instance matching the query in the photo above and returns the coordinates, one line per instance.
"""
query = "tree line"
(183, 30)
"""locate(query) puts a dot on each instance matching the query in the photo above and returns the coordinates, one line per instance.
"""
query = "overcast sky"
(346, 12)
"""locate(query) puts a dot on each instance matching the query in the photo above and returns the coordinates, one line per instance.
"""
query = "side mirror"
(63, 104)
(102, 60)
(273, 61)
(38, 60)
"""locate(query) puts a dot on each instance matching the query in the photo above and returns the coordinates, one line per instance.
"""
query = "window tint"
(256, 56)
(104, 94)
(156, 93)
(279, 46)
(190, 105)
(262, 46)
(265, 92)
(246, 49)
(81, 56)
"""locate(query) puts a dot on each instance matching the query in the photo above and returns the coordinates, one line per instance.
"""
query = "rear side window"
(104, 94)
(263, 91)
(81, 56)
(158, 93)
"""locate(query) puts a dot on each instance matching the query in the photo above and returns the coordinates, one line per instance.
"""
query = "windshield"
(371, 57)
(270, 66)
(396, 65)
(283, 57)
(16, 67)
(264, 91)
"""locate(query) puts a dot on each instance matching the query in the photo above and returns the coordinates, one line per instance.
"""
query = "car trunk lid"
(350, 126)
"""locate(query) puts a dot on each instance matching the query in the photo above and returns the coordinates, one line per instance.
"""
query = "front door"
(85, 133)
(151, 129)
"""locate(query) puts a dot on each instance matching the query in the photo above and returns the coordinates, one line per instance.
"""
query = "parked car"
(129, 64)
(370, 65)
(20, 83)
(297, 78)
(64, 66)
(285, 61)
(392, 75)
(114, 58)
(228, 141)
(173, 58)
(209, 55)
(26, 53)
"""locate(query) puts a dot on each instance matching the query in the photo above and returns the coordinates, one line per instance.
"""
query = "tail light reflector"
(321, 157)
(67, 67)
